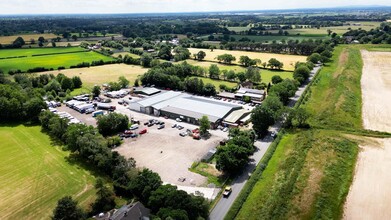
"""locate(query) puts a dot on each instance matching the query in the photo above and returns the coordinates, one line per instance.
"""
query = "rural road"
(262, 145)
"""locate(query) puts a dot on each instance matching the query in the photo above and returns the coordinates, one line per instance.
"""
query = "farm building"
(234, 119)
(255, 94)
(187, 107)
(146, 91)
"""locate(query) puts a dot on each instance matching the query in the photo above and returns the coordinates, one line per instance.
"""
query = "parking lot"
(162, 150)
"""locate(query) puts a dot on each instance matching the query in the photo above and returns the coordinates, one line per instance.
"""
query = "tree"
(245, 61)
(314, 58)
(209, 90)
(204, 125)
(144, 184)
(301, 73)
(231, 76)
(136, 83)
(41, 39)
(266, 114)
(165, 52)
(284, 90)
(123, 82)
(226, 58)
(105, 200)
(300, 117)
(74, 37)
(258, 61)
(201, 55)
(253, 74)
(146, 59)
(18, 43)
(67, 209)
(77, 83)
(274, 63)
(231, 158)
(96, 91)
(214, 71)
(276, 79)
(112, 123)
(54, 44)
(66, 83)
(241, 76)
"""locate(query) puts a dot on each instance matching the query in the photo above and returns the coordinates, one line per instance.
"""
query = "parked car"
(183, 134)
(89, 111)
(161, 123)
(134, 127)
(133, 135)
(120, 102)
(273, 134)
(174, 126)
(150, 124)
(180, 127)
(227, 192)
(160, 127)
(128, 132)
(146, 123)
(178, 119)
(144, 131)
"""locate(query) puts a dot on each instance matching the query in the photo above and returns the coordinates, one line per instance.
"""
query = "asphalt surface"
(262, 145)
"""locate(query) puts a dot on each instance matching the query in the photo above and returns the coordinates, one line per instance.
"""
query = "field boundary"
(48, 54)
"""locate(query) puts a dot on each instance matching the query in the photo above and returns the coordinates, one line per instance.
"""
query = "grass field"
(270, 38)
(310, 173)
(216, 82)
(123, 54)
(335, 97)
(48, 61)
(103, 74)
(34, 175)
(337, 29)
(26, 37)
(288, 60)
(308, 177)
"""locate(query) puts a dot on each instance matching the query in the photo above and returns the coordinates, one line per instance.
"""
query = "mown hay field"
(26, 37)
(34, 175)
(98, 75)
(288, 60)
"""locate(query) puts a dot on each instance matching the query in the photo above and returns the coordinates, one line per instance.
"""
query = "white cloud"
(143, 6)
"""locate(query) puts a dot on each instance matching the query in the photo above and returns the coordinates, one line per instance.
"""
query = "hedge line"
(5, 58)
(46, 54)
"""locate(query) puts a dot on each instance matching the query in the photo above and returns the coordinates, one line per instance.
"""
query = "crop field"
(288, 60)
(238, 29)
(103, 74)
(48, 58)
(270, 38)
(123, 54)
(26, 37)
(34, 174)
(337, 29)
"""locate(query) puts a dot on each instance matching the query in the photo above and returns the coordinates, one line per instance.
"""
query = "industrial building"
(186, 107)
(255, 95)
(146, 91)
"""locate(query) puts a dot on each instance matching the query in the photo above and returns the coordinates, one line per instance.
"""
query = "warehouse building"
(146, 91)
(187, 107)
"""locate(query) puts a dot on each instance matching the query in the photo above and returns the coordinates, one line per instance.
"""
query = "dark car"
(146, 123)
(150, 124)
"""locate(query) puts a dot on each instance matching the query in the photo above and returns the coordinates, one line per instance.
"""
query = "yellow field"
(26, 37)
(103, 74)
(288, 60)
(337, 29)
(123, 54)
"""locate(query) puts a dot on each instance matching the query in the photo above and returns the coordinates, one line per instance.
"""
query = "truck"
(105, 106)
(96, 113)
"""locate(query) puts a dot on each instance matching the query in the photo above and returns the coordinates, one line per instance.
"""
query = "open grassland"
(216, 82)
(334, 99)
(34, 175)
(123, 54)
(308, 177)
(48, 58)
(337, 29)
(103, 74)
(270, 38)
(288, 60)
(27, 38)
(38, 51)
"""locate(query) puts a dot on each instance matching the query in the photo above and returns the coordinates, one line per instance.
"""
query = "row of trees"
(87, 144)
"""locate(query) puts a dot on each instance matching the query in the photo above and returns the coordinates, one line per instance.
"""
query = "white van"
(134, 127)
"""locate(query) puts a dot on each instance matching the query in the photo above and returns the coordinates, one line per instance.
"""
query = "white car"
(225, 129)
(178, 119)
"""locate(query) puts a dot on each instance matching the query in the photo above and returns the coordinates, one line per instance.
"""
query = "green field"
(270, 38)
(335, 97)
(34, 174)
(309, 175)
(50, 58)
(216, 82)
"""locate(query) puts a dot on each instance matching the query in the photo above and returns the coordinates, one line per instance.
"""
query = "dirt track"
(369, 195)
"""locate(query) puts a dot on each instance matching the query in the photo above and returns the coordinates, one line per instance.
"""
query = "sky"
(153, 6)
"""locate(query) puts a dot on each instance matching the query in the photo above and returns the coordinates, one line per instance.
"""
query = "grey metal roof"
(153, 100)
(187, 113)
(236, 115)
(254, 91)
(148, 90)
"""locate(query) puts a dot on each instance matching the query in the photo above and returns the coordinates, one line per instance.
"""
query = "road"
(262, 145)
